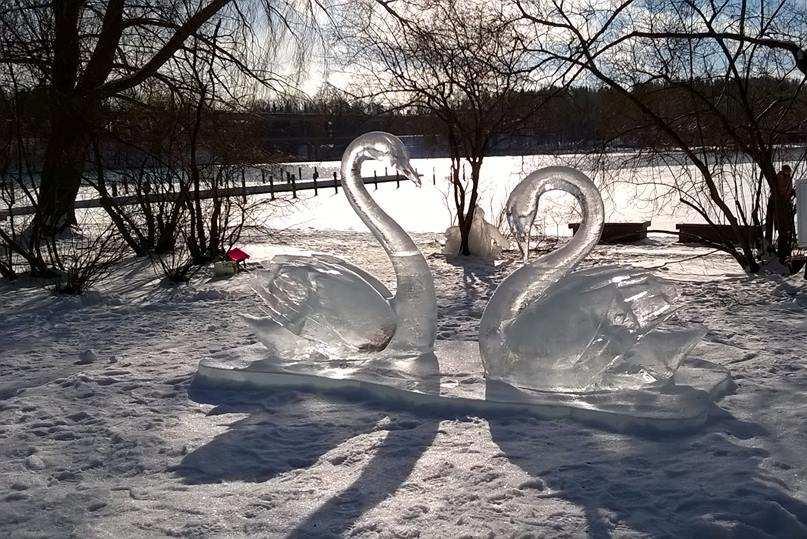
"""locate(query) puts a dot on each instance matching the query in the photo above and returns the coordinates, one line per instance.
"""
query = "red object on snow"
(237, 255)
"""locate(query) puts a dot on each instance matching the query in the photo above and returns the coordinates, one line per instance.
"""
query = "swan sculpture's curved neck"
(414, 300)
(531, 281)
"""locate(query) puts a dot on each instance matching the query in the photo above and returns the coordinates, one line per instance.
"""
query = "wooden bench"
(704, 234)
(620, 232)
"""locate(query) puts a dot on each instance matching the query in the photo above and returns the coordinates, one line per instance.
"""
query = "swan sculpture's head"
(389, 150)
(522, 204)
(520, 224)
(521, 209)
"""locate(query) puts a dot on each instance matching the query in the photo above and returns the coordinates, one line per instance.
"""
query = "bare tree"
(457, 63)
(200, 147)
(697, 75)
(87, 52)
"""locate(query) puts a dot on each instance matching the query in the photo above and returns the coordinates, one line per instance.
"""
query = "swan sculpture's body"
(321, 307)
(585, 331)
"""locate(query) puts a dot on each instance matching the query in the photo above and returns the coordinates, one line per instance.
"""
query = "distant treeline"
(576, 118)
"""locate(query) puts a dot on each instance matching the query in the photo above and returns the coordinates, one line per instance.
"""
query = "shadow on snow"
(701, 483)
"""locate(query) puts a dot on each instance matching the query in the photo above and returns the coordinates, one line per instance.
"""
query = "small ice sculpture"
(321, 307)
(551, 329)
(485, 240)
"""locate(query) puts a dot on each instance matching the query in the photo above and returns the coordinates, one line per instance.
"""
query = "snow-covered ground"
(118, 444)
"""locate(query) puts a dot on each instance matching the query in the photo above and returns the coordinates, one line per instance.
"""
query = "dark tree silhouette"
(86, 53)
(699, 74)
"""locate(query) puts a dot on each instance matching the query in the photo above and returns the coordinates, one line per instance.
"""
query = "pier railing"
(271, 183)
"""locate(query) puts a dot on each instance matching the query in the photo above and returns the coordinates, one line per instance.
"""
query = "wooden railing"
(269, 185)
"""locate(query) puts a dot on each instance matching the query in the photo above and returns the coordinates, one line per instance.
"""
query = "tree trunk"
(465, 232)
(750, 264)
(6, 272)
(68, 141)
(786, 226)
(467, 224)
(62, 171)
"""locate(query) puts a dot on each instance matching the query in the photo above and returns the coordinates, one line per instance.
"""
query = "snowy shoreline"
(115, 445)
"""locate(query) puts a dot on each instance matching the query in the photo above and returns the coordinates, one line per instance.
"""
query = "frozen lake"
(634, 188)
(630, 193)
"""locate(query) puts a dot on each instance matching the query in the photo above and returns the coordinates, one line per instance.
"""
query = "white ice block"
(452, 381)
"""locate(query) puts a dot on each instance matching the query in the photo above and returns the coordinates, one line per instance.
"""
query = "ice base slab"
(452, 380)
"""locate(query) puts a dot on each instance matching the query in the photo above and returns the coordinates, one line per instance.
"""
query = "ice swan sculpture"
(321, 307)
(553, 329)
(583, 345)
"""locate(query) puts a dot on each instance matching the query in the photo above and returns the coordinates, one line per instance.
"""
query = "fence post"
(375, 178)
(293, 185)
(434, 177)
(386, 175)
(272, 185)
(335, 183)
(315, 181)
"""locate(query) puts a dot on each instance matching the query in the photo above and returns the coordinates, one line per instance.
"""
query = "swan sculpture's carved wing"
(597, 329)
(372, 281)
(328, 301)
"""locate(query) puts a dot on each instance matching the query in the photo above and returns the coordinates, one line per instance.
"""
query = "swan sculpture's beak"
(520, 226)
(516, 227)
(409, 172)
